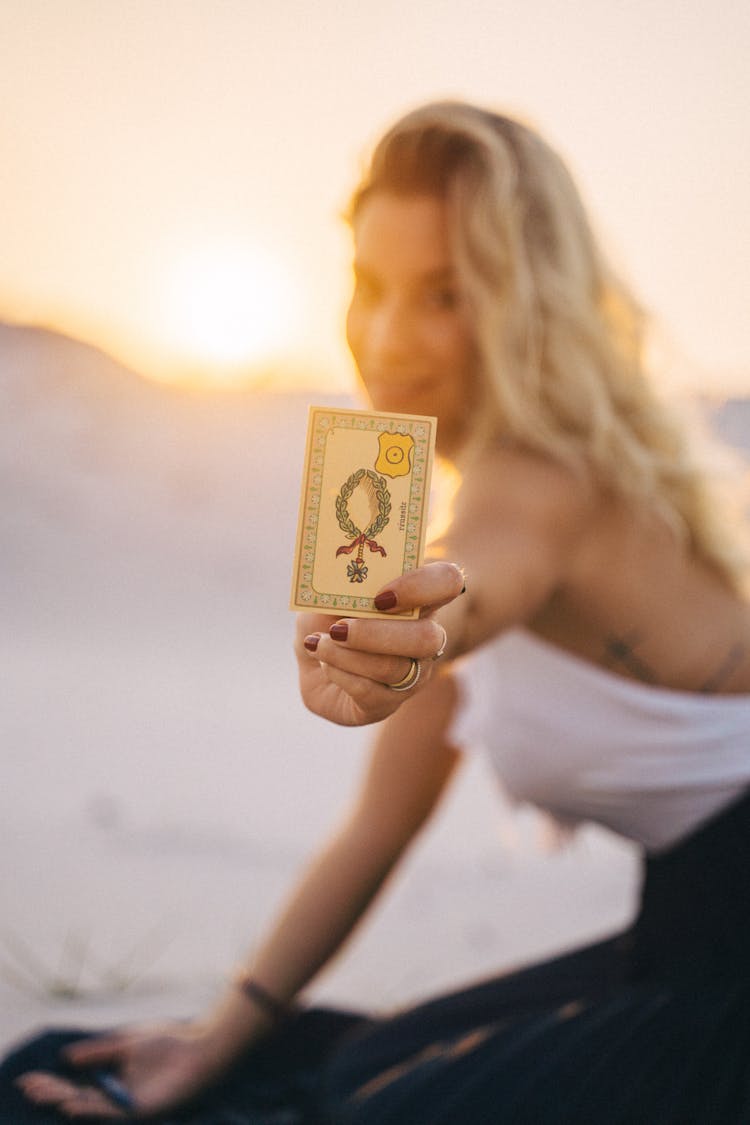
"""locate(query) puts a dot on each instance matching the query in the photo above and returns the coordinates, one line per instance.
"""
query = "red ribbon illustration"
(362, 541)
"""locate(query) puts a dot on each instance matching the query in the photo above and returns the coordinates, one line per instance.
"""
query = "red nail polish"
(339, 631)
(311, 642)
(386, 600)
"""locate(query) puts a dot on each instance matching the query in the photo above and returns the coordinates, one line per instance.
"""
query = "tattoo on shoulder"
(620, 652)
(729, 665)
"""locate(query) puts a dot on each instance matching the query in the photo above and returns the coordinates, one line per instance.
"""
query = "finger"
(41, 1086)
(94, 1051)
(420, 639)
(370, 700)
(312, 623)
(427, 588)
(72, 1100)
(380, 669)
(88, 1102)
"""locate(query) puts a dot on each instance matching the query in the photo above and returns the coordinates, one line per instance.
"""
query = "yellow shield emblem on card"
(394, 458)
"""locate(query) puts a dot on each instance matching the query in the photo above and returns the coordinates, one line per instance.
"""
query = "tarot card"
(363, 508)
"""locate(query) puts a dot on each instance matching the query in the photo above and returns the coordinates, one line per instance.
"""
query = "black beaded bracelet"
(274, 1008)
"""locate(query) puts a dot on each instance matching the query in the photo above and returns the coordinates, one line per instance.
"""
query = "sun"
(228, 308)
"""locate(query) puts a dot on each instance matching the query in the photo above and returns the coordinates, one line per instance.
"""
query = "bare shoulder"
(517, 491)
(519, 525)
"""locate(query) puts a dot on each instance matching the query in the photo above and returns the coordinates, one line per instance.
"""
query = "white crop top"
(583, 743)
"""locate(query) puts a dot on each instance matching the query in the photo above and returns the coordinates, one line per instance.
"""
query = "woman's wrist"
(259, 996)
(247, 1012)
(232, 1028)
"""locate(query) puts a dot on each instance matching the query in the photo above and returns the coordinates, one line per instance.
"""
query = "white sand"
(161, 781)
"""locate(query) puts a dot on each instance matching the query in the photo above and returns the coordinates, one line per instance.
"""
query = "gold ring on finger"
(407, 682)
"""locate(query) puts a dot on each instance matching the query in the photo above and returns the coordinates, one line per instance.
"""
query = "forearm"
(327, 904)
(330, 901)
(408, 771)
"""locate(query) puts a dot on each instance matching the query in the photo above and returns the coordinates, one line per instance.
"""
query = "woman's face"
(408, 326)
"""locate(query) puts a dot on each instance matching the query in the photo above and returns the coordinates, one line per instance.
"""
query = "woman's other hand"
(147, 1071)
(348, 665)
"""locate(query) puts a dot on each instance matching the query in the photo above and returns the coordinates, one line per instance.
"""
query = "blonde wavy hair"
(559, 336)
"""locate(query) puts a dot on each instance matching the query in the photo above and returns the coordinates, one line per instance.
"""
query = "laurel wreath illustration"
(380, 501)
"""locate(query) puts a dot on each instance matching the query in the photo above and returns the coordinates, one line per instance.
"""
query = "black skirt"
(650, 1027)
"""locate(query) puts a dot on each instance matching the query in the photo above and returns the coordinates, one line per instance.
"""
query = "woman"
(613, 643)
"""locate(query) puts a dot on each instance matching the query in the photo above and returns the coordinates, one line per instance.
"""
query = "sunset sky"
(172, 171)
